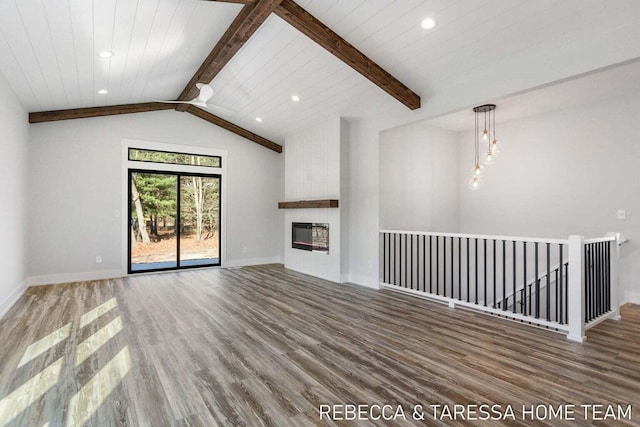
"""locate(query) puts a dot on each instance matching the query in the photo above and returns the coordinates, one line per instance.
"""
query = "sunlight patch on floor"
(97, 312)
(97, 340)
(44, 344)
(87, 400)
(21, 398)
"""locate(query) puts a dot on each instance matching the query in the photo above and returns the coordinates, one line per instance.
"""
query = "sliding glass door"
(199, 220)
(174, 220)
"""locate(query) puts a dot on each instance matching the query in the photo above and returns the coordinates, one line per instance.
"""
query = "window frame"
(127, 164)
(173, 152)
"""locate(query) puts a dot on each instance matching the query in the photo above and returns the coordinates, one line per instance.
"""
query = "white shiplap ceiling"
(48, 51)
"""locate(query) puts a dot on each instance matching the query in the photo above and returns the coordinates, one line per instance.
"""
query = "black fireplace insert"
(310, 237)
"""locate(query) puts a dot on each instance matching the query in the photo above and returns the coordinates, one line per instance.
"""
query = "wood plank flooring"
(266, 346)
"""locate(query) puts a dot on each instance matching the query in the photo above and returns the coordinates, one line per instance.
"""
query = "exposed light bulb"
(475, 183)
(477, 170)
(494, 146)
(485, 135)
(489, 159)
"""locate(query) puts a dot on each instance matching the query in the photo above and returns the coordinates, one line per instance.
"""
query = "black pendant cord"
(477, 159)
(495, 138)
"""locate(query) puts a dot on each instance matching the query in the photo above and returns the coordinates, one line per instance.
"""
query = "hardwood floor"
(266, 346)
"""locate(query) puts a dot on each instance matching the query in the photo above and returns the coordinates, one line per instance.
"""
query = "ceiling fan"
(206, 93)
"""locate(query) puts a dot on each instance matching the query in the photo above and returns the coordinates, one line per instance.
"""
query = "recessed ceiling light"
(428, 23)
(295, 98)
(105, 54)
(258, 119)
(103, 91)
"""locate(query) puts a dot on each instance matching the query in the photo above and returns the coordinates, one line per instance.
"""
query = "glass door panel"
(199, 220)
(153, 240)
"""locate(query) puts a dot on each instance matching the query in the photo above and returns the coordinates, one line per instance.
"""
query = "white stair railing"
(485, 273)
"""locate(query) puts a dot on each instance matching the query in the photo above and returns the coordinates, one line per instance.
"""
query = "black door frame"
(178, 175)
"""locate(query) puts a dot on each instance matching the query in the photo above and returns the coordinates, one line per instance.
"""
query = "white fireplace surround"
(315, 166)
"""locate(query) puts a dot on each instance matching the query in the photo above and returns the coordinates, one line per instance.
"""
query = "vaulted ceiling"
(48, 52)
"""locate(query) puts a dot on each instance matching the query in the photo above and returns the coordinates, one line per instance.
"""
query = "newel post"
(576, 289)
(614, 287)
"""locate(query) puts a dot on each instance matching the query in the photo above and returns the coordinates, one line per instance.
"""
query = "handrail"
(480, 236)
(600, 240)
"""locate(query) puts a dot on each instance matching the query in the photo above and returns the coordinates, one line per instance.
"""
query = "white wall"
(75, 192)
(14, 140)
(561, 173)
(344, 200)
(312, 172)
(419, 179)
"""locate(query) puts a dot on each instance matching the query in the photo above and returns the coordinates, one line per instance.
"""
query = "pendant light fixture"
(485, 116)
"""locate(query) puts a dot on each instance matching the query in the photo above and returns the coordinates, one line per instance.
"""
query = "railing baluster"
(515, 308)
(410, 257)
(537, 307)
(444, 265)
(557, 295)
(424, 263)
(484, 282)
(405, 260)
(604, 288)
(494, 273)
(608, 275)
(460, 268)
(548, 281)
(599, 279)
(437, 265)
(596, 282)
(594, 311)
(393, 251)
(468, 273)
(504, 274)
(451, 265)
(566, 293)
(560, 266)
(603, 269)
(602, 278)
(476, 268)
(431, 264)
(593, 281)
(524, 278)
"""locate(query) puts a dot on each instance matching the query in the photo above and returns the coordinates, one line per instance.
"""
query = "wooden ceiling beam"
(110, 110)
(235, 1)
(307, 24)
(212, 118)
(242, 28)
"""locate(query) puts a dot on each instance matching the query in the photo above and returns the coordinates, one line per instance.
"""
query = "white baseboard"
(13, 297)
(253, 261)
(54, 279)
(632, 297)
(367, 282)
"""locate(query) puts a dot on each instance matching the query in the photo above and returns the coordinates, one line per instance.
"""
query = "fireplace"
(310, 237)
